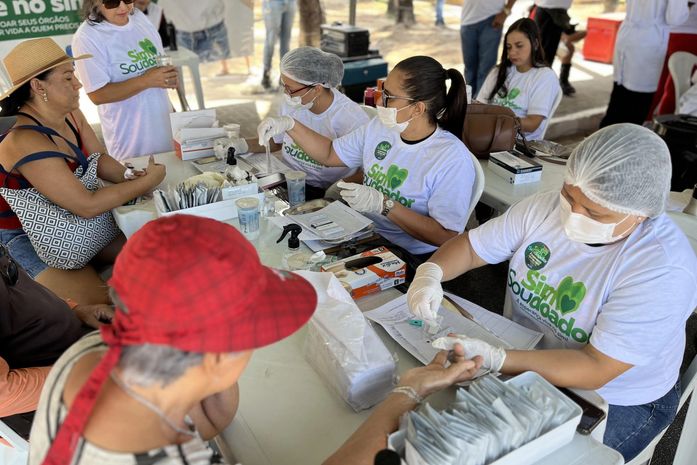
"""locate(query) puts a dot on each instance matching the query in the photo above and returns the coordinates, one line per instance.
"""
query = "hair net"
(309, 65)
(623, 167)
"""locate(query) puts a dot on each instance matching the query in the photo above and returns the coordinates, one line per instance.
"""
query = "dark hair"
(528, 27)
(424, 80)
(91, 13)
(10, 105)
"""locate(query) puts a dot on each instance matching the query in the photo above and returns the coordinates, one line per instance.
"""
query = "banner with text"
(27, 19)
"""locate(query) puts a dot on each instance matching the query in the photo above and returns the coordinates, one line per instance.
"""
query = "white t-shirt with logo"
(342, 117)
(474, 11)
(140, 124)
(434, 177)
(630, 299)
(530, 93)
(564, 4)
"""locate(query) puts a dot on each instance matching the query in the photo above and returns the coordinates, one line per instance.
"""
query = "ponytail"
(424, 79)
(453, 118)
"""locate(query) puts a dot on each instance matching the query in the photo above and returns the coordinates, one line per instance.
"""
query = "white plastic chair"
(687, 446)
(555, 105)
(478, 186)
(19, 454)
(680, 65)
(370, 111)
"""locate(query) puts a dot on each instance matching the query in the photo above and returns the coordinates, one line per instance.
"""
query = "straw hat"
(31, 58)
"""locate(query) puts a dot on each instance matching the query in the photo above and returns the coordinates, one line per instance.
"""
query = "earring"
(44, 96)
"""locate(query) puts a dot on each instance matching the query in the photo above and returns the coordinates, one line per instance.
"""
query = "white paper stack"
(194, 132)
(344, 349)
(496, 423)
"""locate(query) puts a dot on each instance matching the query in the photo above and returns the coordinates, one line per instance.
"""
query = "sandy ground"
(395, 42)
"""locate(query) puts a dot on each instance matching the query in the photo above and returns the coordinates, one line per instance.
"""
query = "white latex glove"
(240, 145)
(493, 356)
(333, 192)
(272, 127)
(425, 292)
(361, 198)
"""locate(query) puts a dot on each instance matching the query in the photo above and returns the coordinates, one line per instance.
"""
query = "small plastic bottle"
(293, 248)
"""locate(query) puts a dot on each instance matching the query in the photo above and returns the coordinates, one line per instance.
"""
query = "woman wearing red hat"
(162, 378)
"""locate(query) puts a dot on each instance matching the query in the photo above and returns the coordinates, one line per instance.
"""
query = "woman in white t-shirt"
(123, 78)
(601, 271)
(310, 77)
(523, 81)
(418, 175)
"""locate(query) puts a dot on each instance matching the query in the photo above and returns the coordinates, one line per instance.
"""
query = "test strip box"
(389, 272)
(515, 169)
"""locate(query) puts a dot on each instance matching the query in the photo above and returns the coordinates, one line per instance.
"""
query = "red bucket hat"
(194, 284)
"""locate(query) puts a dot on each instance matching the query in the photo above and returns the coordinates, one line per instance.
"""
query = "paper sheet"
(347, 222)
(312, 241)
(394, 316)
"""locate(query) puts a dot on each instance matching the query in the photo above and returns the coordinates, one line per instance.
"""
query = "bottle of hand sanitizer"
(290, 262)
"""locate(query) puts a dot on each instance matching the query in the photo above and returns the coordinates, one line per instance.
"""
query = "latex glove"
(333, 192)
(493, 357)
(361, 198)
(272, 127)
(240, 145)
(425, 292)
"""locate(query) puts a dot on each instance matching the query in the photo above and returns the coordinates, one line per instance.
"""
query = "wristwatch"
(507, 11)
(387, 206)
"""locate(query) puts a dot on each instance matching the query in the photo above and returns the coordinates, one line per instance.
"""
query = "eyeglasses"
(289, 91)
(386, 98)
(8, 267)
(111, 4)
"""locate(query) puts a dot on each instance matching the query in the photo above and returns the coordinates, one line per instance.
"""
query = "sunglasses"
(8, 267)
(111, 4)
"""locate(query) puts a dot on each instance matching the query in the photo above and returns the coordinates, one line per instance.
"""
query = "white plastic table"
(499, 194)
(288, 416)
(185, 57)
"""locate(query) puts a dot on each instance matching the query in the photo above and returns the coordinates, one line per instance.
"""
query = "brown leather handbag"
(489, 128)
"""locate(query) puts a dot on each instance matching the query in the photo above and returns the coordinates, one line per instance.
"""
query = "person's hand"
(333, 192)
(362, 198)
(492, 357)
(165, 77)
(272, 127)
(436, 376)
(425, 292)
(155, 172)
(94, 315)
(499, 19)
(240, 145)
(131, 173)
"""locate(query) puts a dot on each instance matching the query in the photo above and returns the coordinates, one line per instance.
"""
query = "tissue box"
(390, 271)
(344, 349)
(515, 169)
(193, 133)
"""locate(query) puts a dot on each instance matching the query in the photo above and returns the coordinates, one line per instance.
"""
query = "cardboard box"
(193, 133)
(515, 169)
(390, 271)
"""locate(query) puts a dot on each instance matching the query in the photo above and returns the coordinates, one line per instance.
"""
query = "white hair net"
(625, 168)
(309, 65)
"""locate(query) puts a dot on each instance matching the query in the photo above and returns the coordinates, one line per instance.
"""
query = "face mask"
(580, 228)
(388, 118)
(296, 102)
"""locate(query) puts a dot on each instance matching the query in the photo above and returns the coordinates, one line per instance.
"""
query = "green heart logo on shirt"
(570, 295)
(513, 93)
(396, 176)
(148, 46)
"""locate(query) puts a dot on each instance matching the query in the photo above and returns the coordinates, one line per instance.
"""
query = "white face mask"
(388, 118)
(580, 228)
(296, 102)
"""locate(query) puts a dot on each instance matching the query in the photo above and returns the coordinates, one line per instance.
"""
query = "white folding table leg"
(687, 446)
